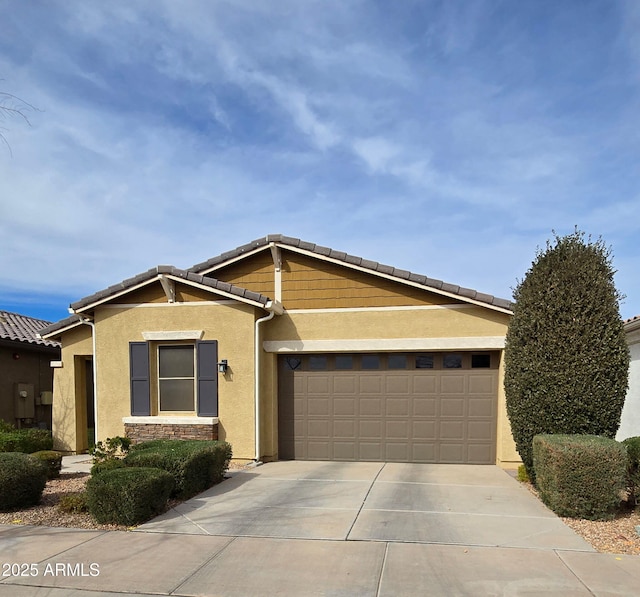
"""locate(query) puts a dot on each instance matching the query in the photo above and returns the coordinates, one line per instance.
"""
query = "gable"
(309, 283)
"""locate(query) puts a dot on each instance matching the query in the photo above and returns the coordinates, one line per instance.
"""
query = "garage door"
(427, 407)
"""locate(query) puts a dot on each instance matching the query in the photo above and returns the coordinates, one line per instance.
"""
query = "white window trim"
(174, 335)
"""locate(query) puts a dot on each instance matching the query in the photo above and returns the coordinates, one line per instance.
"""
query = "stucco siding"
(630, 420)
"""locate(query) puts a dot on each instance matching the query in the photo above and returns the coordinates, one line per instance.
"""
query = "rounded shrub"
(22, 480)
(73, 503)
(128, 496)
(52, 460)
(632, 445)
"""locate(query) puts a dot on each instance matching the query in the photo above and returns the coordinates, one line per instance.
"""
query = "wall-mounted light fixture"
(223, 366)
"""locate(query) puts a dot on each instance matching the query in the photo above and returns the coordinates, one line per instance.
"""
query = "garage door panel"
(370, 407)
(452, 384)
(370, 429)
(481, 407)
(370, 451)
(424, 430)
(425, 407)
(397, 430)
(481, 384)
(344, 407)
(397, 452)
(425, 383)
(319, 429)
(452, 407)
(318, 406)
(397, 384)
(397, 407)
(454, 453)
(452, 430)
(412, 415)
(344, 429)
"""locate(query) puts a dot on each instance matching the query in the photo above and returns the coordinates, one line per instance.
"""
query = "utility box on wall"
(24, 401)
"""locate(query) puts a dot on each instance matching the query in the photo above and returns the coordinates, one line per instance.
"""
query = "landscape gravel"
(611, 536)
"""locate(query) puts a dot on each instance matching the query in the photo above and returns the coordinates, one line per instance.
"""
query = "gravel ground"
(612, 536)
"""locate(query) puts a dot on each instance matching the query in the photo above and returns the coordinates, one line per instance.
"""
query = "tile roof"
(632, 324)
(374, 266)
(21, 328)
(170, 271)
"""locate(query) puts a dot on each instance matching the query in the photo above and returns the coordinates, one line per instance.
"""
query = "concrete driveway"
(339, 529)
(360, 501)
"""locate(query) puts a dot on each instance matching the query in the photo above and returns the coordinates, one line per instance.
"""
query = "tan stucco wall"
(69, 410)
(231, 325)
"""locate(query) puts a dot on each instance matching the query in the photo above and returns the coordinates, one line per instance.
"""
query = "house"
(26, 378)
(630, 420)
(289, 350)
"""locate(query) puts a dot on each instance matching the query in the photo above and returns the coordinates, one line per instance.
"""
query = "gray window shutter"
(207, 362)
(139, 372)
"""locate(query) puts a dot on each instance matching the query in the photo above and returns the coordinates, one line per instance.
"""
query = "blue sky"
(445, 137)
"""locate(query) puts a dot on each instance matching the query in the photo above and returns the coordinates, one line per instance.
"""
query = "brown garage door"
(427, 407)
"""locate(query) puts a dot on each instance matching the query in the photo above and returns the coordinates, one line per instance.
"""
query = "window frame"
(193, 378)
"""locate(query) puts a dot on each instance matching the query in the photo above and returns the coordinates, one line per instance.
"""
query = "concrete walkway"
(301, 528)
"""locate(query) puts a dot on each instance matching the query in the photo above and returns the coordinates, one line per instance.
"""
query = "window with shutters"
(176, 378)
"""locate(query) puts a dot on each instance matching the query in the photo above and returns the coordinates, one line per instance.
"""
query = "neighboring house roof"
(388, 271)
(632, 324)
(21, 328)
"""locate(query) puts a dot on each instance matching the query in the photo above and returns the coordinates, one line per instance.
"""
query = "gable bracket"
(276, 255)
(169, 287)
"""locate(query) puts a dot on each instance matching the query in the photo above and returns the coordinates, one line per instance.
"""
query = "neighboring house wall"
(630, 421)
(25, 359)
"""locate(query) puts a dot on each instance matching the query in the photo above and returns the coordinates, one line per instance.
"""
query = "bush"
(128, 496)
(52, 460)
(73, 503)
(195, 465)
(580, 476)
(107, 465)
(113, 447)
(523, 477)
(22, 480)
(632, 445)
(566, 354)
(25, 440)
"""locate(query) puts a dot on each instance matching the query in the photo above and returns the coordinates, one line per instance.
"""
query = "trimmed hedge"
(632, 445)
(52, 460)
(580, 476)
(128, 496)
(22, 480)
(195, 465)
(25, 440)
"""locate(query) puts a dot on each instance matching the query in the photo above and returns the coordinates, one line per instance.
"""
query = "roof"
(150, 275)
(631, 324)
(355, 262)
(21, 328)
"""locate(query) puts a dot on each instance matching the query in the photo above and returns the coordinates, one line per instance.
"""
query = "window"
(424, 361)
(176, 376)
(452, 361)
(318, 363)
(481, 361)
(370, 361)
(397, 361)
(344, 361)
(187, 376)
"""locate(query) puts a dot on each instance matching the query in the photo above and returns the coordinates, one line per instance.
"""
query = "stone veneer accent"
(141, 432)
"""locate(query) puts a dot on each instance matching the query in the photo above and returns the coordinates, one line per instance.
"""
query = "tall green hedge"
(566, 356)
(25, 440)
